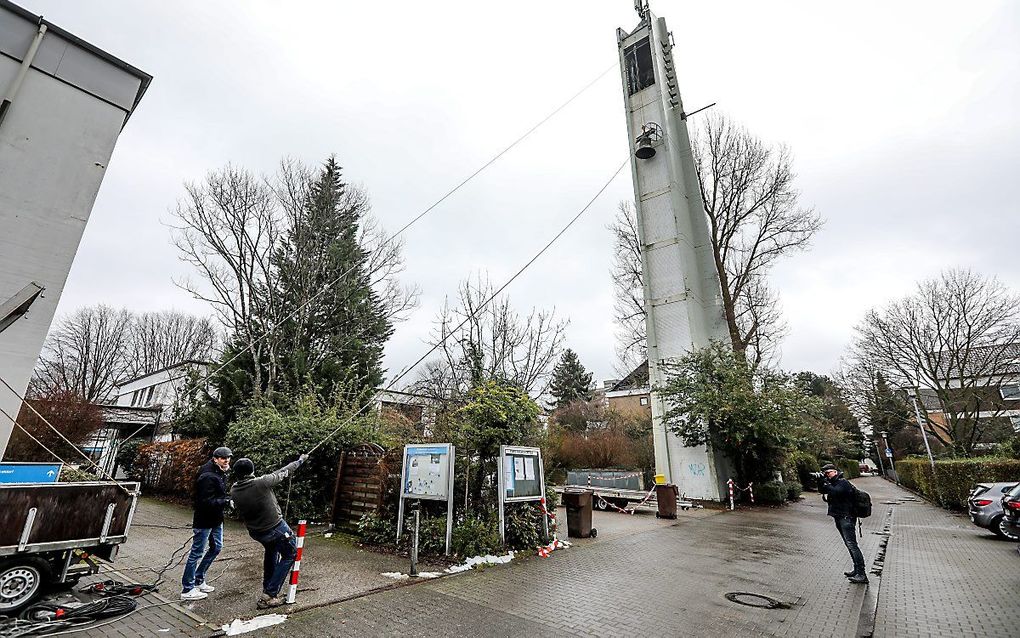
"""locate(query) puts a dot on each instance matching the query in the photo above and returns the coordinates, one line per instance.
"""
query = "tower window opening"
(640, 69)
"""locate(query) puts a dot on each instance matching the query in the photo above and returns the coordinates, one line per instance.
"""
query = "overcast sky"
(904, 120)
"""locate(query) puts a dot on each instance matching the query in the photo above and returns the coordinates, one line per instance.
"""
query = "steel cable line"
(482, 305)
(387, 241)
(413, 220)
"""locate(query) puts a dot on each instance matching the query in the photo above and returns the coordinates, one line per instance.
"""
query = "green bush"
(950, 486)
(850, 468)
(377, 530)
(772, 492)
(71, 474)
(475, 537)
(793, 490)
(273, 437)
(801, 465)
(127, 454)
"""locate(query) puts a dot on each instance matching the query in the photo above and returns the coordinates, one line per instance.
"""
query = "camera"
(818, 476)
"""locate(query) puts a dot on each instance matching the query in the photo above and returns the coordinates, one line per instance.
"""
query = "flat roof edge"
(144, 78)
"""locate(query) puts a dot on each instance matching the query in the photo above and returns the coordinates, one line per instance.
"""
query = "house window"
(148, 398)
(134, 397)
(640, 71)
(644, 400)
(1015, 421)
(1010, 392)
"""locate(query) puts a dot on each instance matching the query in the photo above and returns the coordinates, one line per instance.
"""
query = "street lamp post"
(888, 452)
(917, 411)
(881, 465)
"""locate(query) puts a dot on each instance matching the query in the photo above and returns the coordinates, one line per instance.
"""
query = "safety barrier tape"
(733, 485)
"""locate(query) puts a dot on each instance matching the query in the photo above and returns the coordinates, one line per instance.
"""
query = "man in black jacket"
(254, 500)
(210, 501)
(840, 497)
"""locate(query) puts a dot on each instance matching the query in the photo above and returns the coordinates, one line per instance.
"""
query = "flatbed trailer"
(607, 497)
(52, 533)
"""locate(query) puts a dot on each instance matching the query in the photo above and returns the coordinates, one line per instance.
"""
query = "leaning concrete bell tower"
(681, 288)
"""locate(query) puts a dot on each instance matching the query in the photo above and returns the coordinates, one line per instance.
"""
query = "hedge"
(170, 468)
(954, 478)
(850, 468)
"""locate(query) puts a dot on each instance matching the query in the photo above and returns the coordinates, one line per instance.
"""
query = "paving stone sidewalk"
(334, 568)
(672, 580)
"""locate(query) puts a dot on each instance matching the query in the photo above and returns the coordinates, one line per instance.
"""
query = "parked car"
(985, 507)
(1009, 524)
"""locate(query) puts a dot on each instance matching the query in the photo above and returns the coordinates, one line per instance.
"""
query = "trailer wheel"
(601, 504)
(21, 582)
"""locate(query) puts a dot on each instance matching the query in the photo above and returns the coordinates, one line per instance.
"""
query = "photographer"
(839, 494)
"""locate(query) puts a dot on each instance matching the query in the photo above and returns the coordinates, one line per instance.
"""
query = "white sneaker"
(193, 594)
(207, 588)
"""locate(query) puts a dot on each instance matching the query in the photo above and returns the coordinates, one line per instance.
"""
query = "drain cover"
(755, 600)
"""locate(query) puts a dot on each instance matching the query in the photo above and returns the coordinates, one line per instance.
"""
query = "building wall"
(631, 404)
(55, 144)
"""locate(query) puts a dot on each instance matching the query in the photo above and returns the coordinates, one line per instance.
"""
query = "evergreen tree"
(333, 338)
(570, 381)
(835, 411)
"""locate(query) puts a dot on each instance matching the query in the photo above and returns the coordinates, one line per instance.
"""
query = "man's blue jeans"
(847, 526)
(200, 559)
(281, 549)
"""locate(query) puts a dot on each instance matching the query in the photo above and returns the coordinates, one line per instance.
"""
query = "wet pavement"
(672, 579)
(333, 569)
(934, 574)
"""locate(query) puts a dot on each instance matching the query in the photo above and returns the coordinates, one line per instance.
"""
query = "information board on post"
(427, 474)
(521, 479)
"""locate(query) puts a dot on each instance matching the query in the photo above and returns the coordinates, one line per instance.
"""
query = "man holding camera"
(840, 496)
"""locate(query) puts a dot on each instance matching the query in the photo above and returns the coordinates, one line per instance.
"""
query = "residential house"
(632, 394)
(985, 387)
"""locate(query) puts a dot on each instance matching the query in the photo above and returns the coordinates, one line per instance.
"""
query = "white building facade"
(64, 105)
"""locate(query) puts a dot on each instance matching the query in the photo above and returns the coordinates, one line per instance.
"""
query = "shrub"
(71, 474)
(475, 537)
(801, 465)
(850, 468)
(127, 454)
(950, 486)
(377, 530)
(793, 490)
(273, 437)
(169, 468)
(772, 492)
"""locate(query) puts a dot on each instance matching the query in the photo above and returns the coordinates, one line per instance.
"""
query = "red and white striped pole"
(750, 488)
(295, 571)
(730, 483)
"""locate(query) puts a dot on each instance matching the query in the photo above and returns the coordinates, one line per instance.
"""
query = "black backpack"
(862, 503)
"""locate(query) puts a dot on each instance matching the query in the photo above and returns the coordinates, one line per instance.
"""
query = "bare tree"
(229, 227)
(495, 342)
(165, 338)
(754, 218)
(958, 337)
(84, 354)
(628, 290)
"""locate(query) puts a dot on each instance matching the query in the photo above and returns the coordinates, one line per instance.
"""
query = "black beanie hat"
(243, 467)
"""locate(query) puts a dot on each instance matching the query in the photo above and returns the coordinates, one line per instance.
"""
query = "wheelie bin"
(666, 497)
(578, 504)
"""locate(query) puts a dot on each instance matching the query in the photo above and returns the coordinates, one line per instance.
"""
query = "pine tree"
(334, 340)
(570, 381)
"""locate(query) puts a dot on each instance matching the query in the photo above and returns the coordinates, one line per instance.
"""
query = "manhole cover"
(755, 600)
